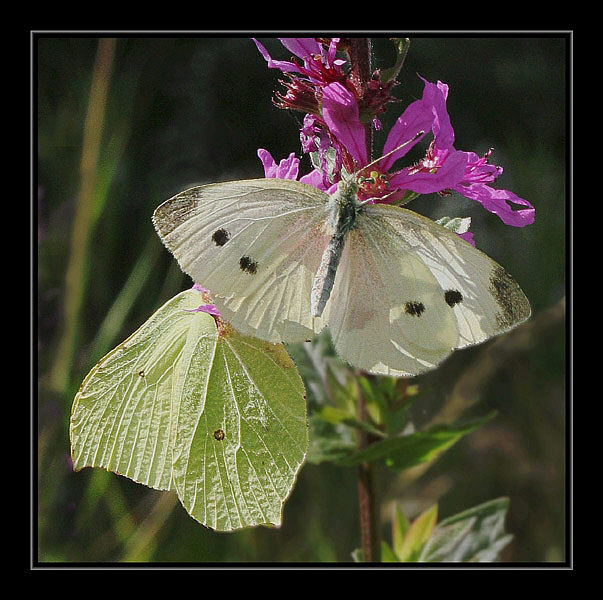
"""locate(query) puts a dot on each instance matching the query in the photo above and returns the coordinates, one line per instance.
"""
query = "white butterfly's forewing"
(485, 300)
(378, 305)
(256, 245)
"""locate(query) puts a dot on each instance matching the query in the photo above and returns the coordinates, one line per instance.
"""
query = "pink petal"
(284, 65)
(468, 237)
(287, 168)
(417, 117)
(447, 175)
(340, 113)
(301, 47)
(427, 114)
(316, 179)
(497, 202)
(442, 128)
(210, 309)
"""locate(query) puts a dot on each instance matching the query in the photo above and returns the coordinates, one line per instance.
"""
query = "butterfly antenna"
(418, 135)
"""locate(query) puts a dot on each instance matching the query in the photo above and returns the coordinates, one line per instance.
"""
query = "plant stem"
(360, 61)
(367, 503)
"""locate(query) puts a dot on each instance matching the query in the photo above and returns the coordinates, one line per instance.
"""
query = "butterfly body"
(283, 260)
(343, 208)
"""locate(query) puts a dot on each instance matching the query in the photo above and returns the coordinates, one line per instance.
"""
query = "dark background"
(187, 110)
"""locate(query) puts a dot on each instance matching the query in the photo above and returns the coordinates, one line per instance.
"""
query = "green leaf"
(406, 451)
(217, 416)
(474, 535)
(387, 554)
(329, 442)
(333, 415)
(417, 535)
(341, 387)
(374, 400)
(401, 47)
(400, 526)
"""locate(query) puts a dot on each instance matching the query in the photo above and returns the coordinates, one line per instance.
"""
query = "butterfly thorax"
(343, 207)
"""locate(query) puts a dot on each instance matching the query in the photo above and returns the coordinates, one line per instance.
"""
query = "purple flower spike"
(337, 110)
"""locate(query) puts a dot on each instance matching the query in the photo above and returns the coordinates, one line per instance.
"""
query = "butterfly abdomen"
(325, 276)
(343, 206)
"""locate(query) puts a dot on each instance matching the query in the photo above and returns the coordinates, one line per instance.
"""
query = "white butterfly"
(283, 259)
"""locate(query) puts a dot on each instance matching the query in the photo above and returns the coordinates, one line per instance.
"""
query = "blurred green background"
(125, 123)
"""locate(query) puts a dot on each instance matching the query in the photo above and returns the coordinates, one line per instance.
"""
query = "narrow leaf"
(387, 554)
(417, 535)
(400, 526)
(474, 535)
(401, 47)
(406, 451)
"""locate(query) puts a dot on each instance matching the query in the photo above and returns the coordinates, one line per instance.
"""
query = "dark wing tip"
(513, 304)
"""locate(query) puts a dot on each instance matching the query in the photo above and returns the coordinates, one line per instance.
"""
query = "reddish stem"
(359, 50)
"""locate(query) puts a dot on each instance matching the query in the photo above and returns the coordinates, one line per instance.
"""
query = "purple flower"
(337, 109)
(313, 68)
(477, 172)
(316, 68)
(309, 50)
(288, 168)
(442, 169)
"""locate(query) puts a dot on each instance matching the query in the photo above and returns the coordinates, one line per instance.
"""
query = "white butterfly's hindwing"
(484, 299)
(256, 245)
(388, 314)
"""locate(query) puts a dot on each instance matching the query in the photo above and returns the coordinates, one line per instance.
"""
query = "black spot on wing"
(248, 265)
(219, 434)
(453, 297)
(415, 309)
(220, 237)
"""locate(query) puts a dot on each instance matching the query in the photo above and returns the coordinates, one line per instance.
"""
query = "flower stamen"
(373, 184)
